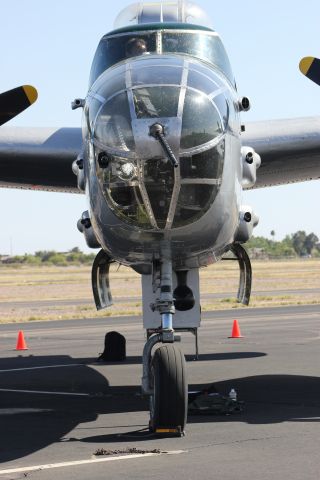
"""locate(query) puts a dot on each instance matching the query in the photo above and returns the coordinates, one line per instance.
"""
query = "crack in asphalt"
(233, 442)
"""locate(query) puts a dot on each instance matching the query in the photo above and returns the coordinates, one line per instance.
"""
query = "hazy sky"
(51, 45)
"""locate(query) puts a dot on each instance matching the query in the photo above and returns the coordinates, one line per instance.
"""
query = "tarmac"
(63, 413)
(12, 304)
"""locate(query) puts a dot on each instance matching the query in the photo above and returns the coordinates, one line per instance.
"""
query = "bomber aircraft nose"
(158, 127)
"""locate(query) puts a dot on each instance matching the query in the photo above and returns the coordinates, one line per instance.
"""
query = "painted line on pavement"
(87, 462)
(41, 392)
(42, 367)
(17, 411)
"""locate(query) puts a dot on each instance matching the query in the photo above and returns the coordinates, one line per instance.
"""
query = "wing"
(39, 158)
(289, 150)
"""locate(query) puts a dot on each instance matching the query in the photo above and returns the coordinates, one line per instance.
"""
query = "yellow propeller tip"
(305, 64)
(31, 93)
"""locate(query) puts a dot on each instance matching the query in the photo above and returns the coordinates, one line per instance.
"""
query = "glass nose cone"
(190, 101)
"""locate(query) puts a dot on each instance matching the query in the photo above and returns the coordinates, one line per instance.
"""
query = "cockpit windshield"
(114, 49)
(204, 45)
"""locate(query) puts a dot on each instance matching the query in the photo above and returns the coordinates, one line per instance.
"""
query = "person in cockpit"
(135, 47)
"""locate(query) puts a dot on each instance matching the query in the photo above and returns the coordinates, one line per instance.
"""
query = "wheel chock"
(176, 432)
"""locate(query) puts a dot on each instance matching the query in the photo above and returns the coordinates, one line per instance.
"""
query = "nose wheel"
(164, 372)
(169, 398)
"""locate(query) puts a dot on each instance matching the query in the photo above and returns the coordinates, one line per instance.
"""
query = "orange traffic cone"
(21, 343)
(236, 330)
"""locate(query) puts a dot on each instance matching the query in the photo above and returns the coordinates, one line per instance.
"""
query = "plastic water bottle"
(233, 395)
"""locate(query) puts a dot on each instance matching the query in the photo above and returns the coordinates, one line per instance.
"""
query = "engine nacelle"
(251, 161)
(247, 221)
(85, 227)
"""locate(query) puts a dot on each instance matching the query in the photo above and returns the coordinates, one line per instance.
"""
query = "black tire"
(169, 403)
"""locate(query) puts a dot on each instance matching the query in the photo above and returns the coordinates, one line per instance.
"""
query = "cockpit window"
(112, 50)
(203, 46)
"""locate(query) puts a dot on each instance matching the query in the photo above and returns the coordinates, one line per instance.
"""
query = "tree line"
(51, 257)
(299, 244)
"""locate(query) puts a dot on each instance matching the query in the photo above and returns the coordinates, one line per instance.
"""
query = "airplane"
(163, 158)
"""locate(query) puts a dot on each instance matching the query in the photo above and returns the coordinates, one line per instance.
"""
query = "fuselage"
(177, 76)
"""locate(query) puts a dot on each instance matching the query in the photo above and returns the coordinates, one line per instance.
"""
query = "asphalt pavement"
(63, 413)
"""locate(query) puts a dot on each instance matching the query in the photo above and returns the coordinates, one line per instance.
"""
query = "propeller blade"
(15, 101)
(310, 67)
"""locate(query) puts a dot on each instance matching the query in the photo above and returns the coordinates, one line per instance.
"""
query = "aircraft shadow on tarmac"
(267, 399)
(33, 421)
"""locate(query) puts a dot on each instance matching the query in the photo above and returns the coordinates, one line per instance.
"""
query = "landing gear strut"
(164, 373)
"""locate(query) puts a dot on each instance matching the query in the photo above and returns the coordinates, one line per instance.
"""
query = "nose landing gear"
(164, 373)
